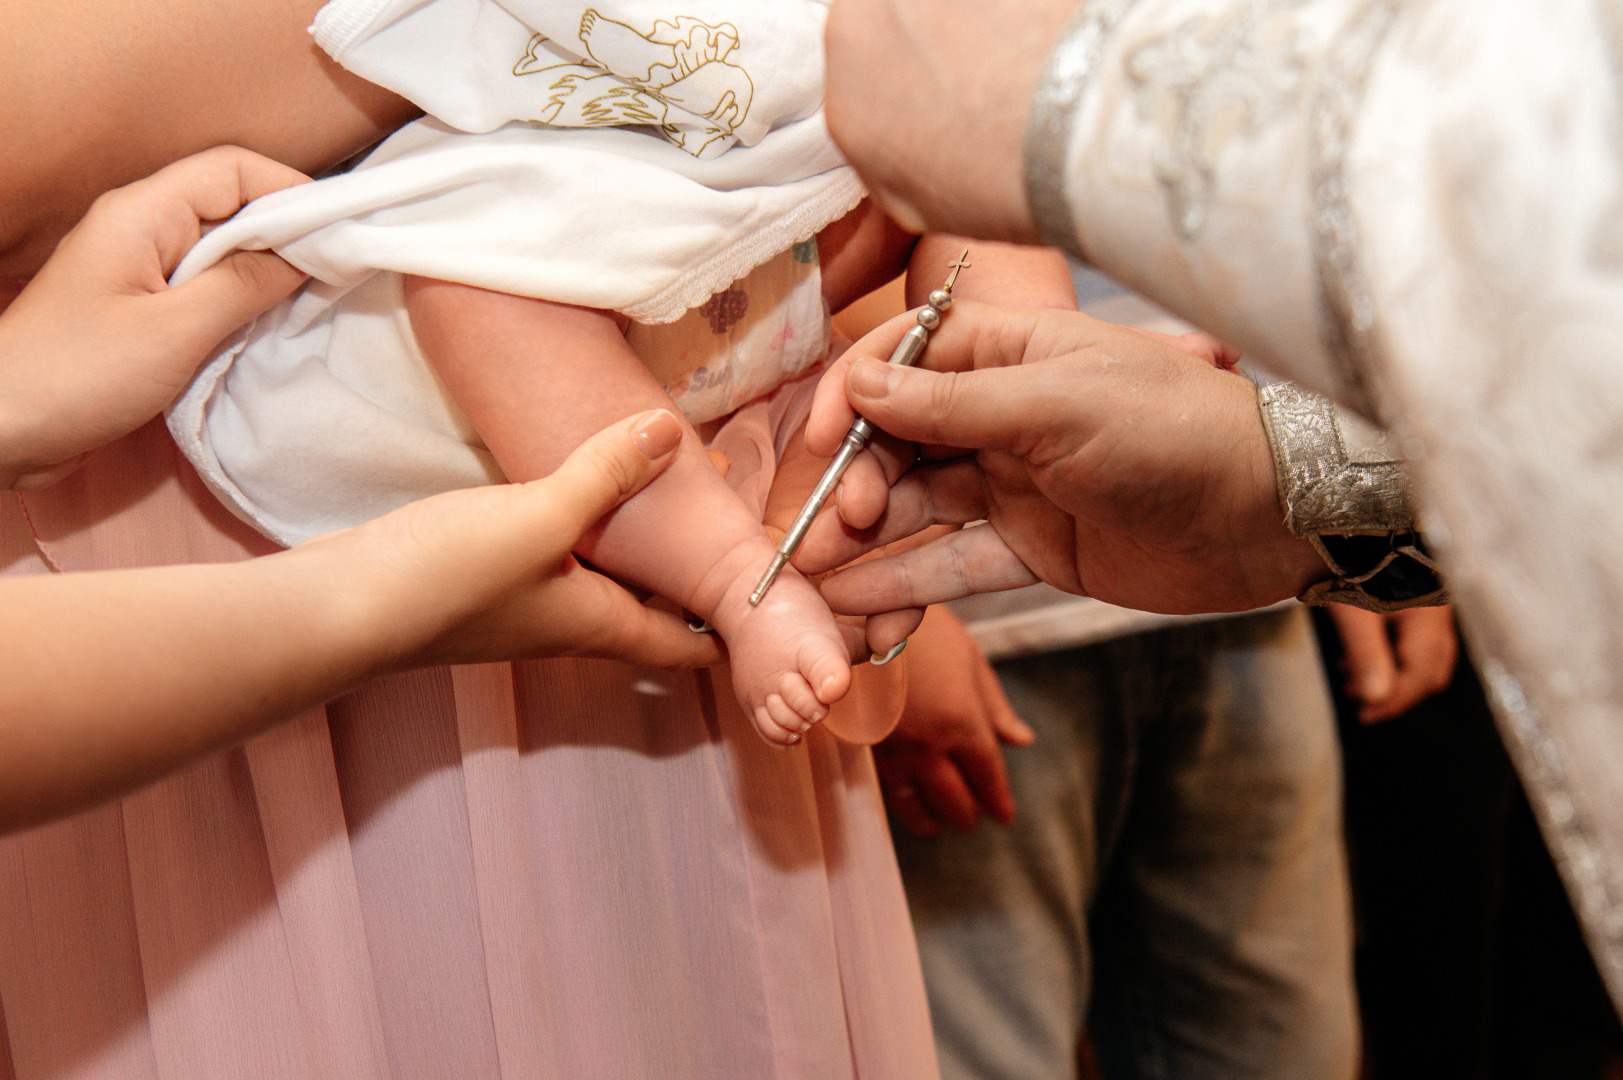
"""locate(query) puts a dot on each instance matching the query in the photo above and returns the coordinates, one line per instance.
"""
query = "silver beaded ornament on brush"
(907, 354)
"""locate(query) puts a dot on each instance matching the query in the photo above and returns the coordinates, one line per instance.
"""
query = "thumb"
(606, 470)
(245, 284)
(1371, 665)
(989, 409)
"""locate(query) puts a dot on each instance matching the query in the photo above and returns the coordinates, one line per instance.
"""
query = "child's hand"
(1393, 662)
(943, 765)
(98, 344)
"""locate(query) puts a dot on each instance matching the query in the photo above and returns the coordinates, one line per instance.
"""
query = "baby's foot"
(789, 663)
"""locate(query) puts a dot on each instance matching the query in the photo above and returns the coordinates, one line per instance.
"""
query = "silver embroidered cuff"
(1052, 113)
(1344, 489)
(1336, 473)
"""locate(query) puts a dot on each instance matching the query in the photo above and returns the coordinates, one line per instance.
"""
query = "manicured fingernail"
(896, 650)
(656, 434)
(872, 378)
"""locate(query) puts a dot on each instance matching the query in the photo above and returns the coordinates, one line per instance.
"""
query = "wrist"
(365, 627)
(1344, 491)
(37, 417)
(1056, 100)
(1292, 562)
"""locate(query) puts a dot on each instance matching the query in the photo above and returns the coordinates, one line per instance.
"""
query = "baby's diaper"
(325, 414)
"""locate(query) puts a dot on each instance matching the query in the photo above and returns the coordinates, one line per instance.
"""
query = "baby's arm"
(536, 378)
(1008, 275)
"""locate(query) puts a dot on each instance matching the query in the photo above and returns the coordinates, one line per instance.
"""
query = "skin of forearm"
(111, 679)
(115, 92)
(861, 252)
(927, 99)
(1008, 275)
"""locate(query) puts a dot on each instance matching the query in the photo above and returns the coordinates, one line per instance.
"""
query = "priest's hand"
(1103, 462)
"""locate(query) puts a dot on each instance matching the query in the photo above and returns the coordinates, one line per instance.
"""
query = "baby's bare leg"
(537, 379)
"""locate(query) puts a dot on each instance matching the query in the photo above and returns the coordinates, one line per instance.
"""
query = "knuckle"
(616, 470)
(906, 586)
(959, 571)
(252, 271)
(120, 204)
(945, 393)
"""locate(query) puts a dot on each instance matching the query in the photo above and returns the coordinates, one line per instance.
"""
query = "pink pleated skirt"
(556, 869)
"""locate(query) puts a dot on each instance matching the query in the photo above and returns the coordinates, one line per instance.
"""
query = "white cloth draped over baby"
(670, 167)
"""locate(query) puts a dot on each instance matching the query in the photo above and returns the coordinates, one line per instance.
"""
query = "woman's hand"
(943, 765)
(486, 573)
(98, 344)
(111, 679)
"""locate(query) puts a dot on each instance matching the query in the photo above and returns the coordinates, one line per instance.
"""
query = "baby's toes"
(797, 695)
(784, 716)
(827, 670)
(777, 723)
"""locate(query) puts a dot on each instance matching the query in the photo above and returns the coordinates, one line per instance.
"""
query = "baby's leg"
(536, 379)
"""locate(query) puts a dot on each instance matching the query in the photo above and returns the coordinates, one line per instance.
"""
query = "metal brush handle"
(906, 354)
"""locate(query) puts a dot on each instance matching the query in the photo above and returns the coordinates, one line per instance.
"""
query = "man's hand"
(97, 344)
(928, 100)
(943, 765)
(1106, 463)
(1394, 662)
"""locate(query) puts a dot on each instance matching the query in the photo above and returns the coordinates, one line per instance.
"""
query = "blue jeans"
(1174, 880)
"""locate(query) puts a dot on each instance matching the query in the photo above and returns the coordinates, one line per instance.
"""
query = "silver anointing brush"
(907, 354)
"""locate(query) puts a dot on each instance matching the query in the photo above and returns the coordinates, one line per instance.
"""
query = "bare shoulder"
(189, 74)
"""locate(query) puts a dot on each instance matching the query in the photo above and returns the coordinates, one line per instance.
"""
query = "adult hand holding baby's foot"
(525, 594)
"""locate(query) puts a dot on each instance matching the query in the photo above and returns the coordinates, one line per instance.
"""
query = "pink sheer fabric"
(550, 869)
